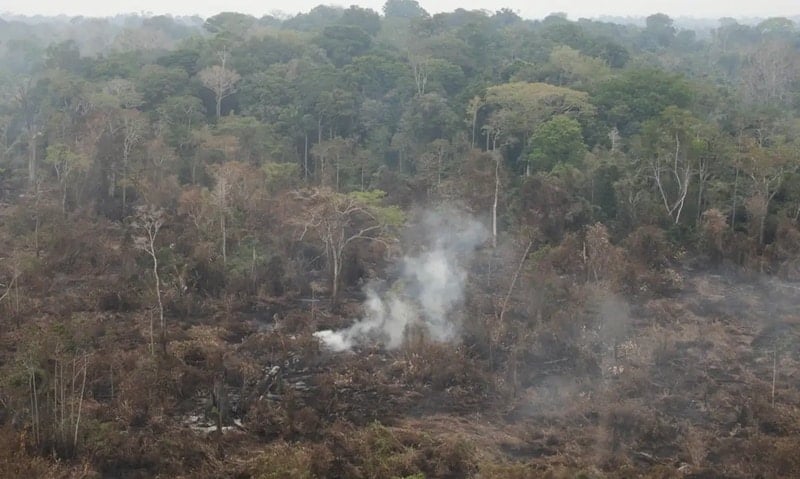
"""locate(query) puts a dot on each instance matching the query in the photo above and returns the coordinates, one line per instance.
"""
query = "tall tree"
(221, 80)
(66, 163)
(557, 141)
(147, 223)
(669, 158)
(339, 221)
(766, 164)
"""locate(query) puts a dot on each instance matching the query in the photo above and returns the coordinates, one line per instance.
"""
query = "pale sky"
(528, 9)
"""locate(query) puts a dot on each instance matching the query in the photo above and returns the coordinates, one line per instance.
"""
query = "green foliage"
(407, 9)
(363, 18)
(638, 95)
(257, 54)
(391, 215)
(557, 141)
(659, 33)
(157, 83)
(281, 176)
(343, 42)
(229, 24)
(520, 107)
(577, 70)
(315, 20)
(537, 101)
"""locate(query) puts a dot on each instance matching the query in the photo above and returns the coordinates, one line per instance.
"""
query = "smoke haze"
(431, 285)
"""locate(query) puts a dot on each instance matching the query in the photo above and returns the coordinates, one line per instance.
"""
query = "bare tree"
(420, 66)
(65, 162)
(124, 92)
(31, 113)
(496, 129)
(473, 107)
(148, 221)
(339, 220)
(432, 163)
(670, 165)
(220, 80)
(768, 73)
(234, 189)
(679, 170)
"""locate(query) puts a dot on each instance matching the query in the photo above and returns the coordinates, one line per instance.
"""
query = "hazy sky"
(575, 8)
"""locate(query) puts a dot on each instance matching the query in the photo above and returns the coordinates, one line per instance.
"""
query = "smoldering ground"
(429, 289)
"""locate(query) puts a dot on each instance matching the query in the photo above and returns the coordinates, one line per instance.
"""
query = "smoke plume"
(430, 286)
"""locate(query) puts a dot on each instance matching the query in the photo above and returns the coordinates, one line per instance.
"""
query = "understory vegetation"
(187, 204)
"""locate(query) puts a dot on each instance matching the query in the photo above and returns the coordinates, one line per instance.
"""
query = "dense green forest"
(359, 244)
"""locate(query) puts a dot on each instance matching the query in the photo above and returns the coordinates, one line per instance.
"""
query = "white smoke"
(430, 287)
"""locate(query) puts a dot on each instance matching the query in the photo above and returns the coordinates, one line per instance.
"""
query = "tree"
(625, 102)
(659, 32)
(220, 80)
(158, 83)
(473, 107)
(315, 20)
(30, 109)
(335, 153)
(519, 108)
(433, 162)
(557, 141)
(426, 118)
(124, 93)
(406, 9)
(768, 74)
(364, 18)
(230, 24)
(133, 126)
(339, 221)
(766, 164)
(66, 163)
(177, 116)
(670, 161)
(577, 70)
(343, 42)
(148, 222)
(236, 186)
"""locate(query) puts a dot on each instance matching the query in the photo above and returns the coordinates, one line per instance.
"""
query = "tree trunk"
(124, 183)
(337, 174)
(80, 406)
(112, 184)
(253, 272)
(400, 161)
(474, 125)
(336, 271)
(224, 239)
(496, 194)
(700, 198)
(733, 207)
(32, 161)
(219, 105)
(158, 295)
(36, 219)
(305, 158)
(439, 174)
